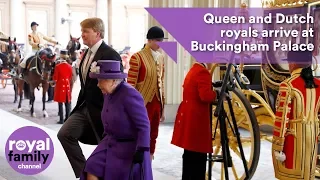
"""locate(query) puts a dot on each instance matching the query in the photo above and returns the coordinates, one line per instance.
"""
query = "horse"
(11, 58)
(73, 46)
(14, 58)
(38, 72)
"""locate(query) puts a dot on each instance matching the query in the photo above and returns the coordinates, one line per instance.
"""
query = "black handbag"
(131, 175)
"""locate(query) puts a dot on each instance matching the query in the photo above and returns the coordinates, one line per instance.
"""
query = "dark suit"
(84, 123)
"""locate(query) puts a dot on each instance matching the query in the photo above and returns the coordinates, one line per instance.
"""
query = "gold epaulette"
(134, 69)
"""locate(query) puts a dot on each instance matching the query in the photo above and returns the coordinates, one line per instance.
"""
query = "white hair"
(118, 81)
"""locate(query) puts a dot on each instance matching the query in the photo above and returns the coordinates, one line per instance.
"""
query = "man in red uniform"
(296, 127)
(63, 78)
(146, 74)
(192, 130)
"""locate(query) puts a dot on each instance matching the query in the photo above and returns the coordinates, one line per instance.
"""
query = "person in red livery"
(296, 125)
(63, 77)
(192, 125)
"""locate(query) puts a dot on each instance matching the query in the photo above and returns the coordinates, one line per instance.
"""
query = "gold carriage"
(253, 100)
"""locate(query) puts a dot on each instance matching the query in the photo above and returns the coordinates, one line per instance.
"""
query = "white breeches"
(23, 62)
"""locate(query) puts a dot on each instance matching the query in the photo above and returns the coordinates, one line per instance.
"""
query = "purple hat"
(106, 69)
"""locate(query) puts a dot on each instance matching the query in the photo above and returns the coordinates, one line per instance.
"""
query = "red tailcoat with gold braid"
(146, 74)
(296, 129)
(63, 77)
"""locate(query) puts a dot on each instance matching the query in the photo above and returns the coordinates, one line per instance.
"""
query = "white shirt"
(88, 60)
(155, 54)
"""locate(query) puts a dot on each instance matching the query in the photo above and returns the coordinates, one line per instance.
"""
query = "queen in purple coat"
(123, 153)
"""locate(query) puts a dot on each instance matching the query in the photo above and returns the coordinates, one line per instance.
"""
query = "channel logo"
(29, 150)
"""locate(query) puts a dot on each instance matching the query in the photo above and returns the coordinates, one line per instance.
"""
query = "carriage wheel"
(249, 135)
(4, 83)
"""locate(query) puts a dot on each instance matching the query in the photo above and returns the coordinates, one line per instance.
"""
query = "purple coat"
(126, 128)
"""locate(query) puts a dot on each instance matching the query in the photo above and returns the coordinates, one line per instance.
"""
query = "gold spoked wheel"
(249, 135)
(4, 83)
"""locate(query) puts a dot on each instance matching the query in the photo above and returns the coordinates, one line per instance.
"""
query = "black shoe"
(59, 122)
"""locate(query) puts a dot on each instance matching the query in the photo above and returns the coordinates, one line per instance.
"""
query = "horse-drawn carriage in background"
(5, 61)
(4, 77)
(256, 89)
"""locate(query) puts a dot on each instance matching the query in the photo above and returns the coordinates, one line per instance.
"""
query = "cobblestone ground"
(167, 158)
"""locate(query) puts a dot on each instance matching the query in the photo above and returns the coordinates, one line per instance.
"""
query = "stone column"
(109, 22)
(238, 3)
(197, 4)
(183, 57)
(170, 89)
(151, 20)
(102, 13)
(17, 29)
(61, 34)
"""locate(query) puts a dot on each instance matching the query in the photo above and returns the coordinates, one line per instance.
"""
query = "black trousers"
(68, 109)
(194, 165)
(68, 136)
(50, 93)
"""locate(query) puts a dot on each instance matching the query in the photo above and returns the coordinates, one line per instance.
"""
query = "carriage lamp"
(67, 19)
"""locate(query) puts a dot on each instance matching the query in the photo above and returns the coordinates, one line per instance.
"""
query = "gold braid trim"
(149, 86)
(160, 74)
(134, 69)
(283, 118)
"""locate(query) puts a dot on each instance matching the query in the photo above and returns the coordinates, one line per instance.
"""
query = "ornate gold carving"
(284, 3)
(269, 84)
(273, 75)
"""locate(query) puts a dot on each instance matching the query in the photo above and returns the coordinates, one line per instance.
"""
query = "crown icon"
(20, 145)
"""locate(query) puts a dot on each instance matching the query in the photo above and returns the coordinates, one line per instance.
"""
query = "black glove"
(217, 83)
(138, 157)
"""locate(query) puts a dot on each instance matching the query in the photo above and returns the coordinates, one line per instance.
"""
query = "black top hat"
(155, 32)
(34, 23)
(299, 57)
(64, 52)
